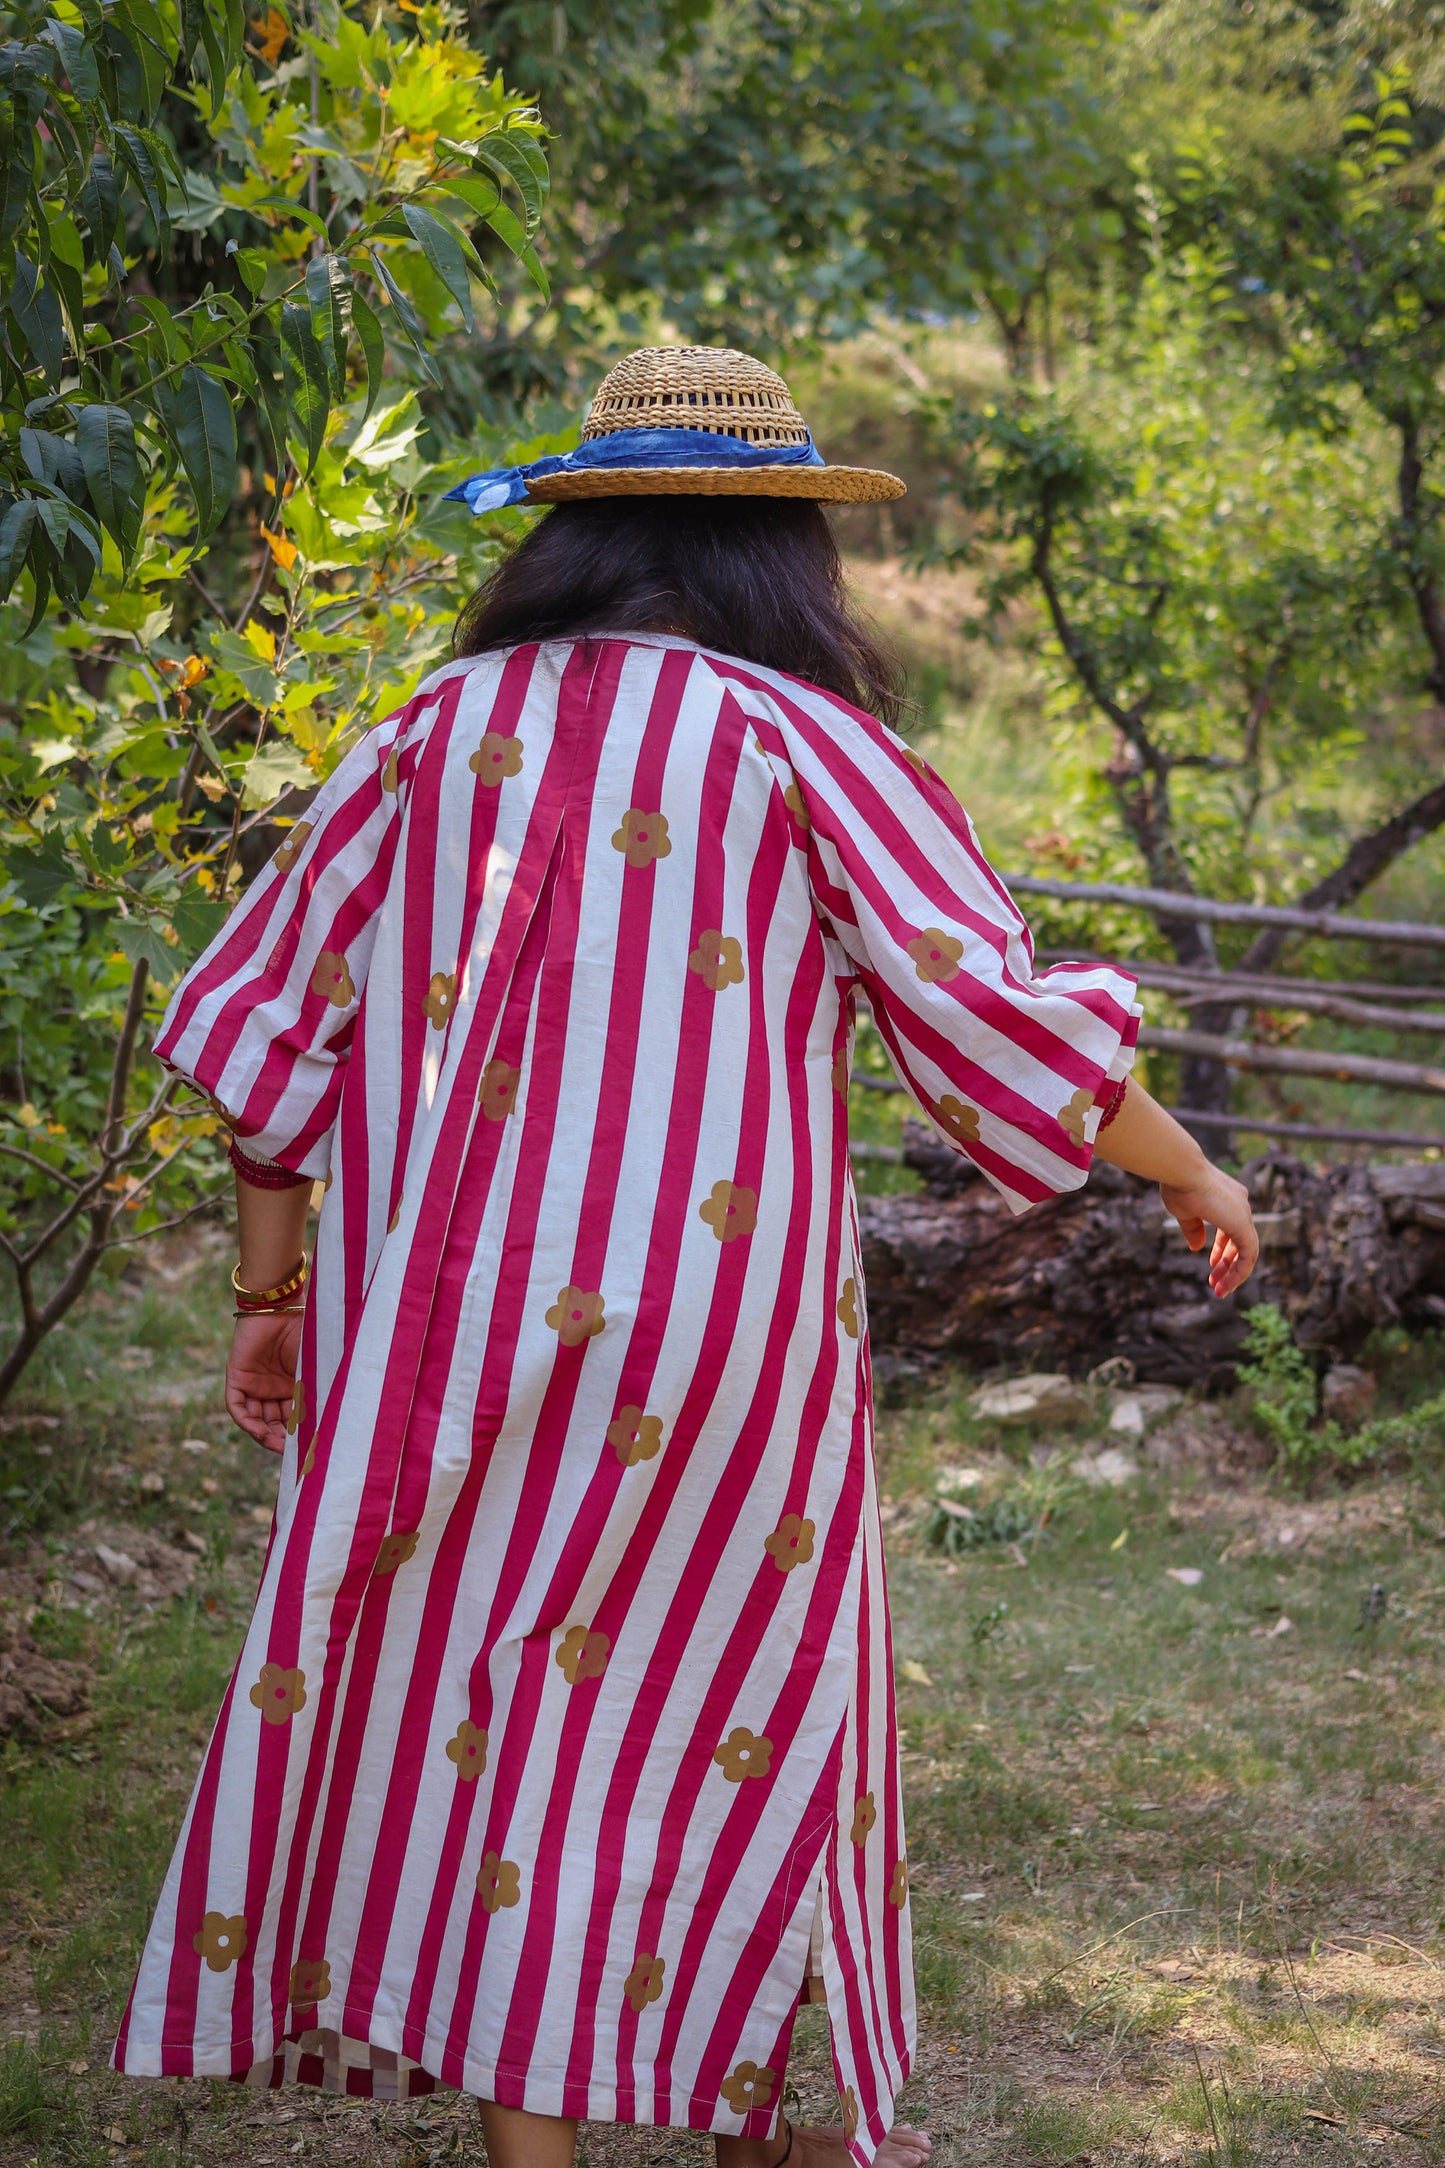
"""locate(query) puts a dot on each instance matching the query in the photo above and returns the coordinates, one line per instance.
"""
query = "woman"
(560, 1759)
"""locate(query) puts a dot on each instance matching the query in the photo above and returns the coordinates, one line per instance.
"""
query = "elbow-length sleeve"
(1012, 1066)
(262, 1023)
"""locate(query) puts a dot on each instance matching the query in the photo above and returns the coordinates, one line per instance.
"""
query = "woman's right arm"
(1143, 1139)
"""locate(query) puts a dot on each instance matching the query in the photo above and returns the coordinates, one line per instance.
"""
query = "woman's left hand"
(260, 1373)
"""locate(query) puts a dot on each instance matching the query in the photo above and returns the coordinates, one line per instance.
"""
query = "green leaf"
(197, 919)
(441, 245)
(508, 227)
(17, 172)
(308, 381)
(328, 291)
(253, 266)
(77, 56)
(17, 525)
(105, 439)
(373, 347)
(41, 875)
(407, 317)
(135, 153)
(204, 425)
(503, 154)
(37, 312)
(145, 938)
(100, 206)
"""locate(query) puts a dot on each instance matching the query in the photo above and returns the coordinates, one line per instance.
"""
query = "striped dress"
(563, 1729)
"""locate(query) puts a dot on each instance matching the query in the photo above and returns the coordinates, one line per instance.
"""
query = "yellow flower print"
(634, 1436)
(279, 1693)
(396, 1549)
(717, 959)
(285, 858)
(935, 955)
(793, 800)
(499, 1882)
(332, 979)
(395, 1221)
(960, 1121)
(898, 1887)
(848, 1308)
(743, 1754)
(642, 837)
(298, 1406)
(750, 2086)
(497, 1092)
(730, 1210)
(310, 1981)
(441, 997)
(848, 2101)
(840, 1071)
(1071, 1117)
(495, 757)
(220, 1940)
(582, 1654)
(915, 760)
(390, 778)
(865, 1814)
(468, 1750)
(644, 1983)
(791, 1542)
(576, 1316)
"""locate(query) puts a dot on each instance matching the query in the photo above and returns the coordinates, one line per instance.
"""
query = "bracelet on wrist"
(267, 1297)
(272, 1309)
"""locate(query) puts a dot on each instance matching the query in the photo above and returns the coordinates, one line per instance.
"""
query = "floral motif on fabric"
(848, 2102)
(865, 1814)
(310, 1981)
(582, 1654)
(468, 1749)
(935, 955)
(898, 1887)
(576, 1316)
(644, 1983)
(848, 1308)
(499, 1882)
(642, 837)
(730, 1210)
(793, 800)
(390, 776)
(840, 1072)
(634, 1436)
(717, 959)
(742, 1754)
(750, 2086)
(1072, 1116)
(441, 998)
(396, 1549)
(286, 856)
(332, 979)
(395, 1221)
(959, 1120)
(791, 1542)
(497, 1092)
(221, 1939)
(310, 1461)
(279, 1693)
(298, 1406)
(495, 757)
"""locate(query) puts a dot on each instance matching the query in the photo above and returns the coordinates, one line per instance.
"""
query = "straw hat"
(720, 392)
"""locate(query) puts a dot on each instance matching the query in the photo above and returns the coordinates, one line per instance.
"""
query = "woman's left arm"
(265, 1349)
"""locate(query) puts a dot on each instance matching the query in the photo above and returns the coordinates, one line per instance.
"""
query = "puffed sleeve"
(1012, 1066)
(263, 1022)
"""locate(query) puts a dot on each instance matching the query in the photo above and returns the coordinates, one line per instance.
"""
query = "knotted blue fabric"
(631, 448)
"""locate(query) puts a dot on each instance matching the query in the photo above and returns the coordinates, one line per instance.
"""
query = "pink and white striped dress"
(564, 1724)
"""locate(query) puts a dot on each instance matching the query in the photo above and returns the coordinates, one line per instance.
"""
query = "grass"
(1176, 1870)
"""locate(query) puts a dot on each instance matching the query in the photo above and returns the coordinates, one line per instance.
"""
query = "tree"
(225, 267)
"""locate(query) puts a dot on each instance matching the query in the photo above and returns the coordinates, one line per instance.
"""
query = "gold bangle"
(279, 1309)
(291, 1285)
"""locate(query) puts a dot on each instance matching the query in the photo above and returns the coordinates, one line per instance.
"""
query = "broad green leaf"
(205, 432)
(508, 227)
(105, 439)
(252, 265)
(308, 381)
(76, 54)
(17, 524)
(144, 938)
(373, 347)
(135, 152)
(42, 875)
(328, 290)
(100, 206)
(441, 245)
(504, 154)
(197, 919)
(16, 175)
(37, 312)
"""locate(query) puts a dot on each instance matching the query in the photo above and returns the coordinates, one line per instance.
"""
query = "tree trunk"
(1103, 1271)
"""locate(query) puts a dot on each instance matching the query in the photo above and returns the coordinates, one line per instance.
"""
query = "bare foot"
(817, 2146)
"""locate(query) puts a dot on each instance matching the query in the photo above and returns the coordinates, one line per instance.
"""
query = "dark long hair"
(755, 577)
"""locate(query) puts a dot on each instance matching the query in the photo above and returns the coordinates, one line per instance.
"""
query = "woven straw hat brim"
(825, 485)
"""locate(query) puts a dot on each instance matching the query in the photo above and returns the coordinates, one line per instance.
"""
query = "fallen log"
(1343, 1068)
(1168, 903)
(1102, 1273)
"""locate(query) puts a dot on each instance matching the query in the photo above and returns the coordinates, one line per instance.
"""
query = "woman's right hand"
(1217, 1200)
